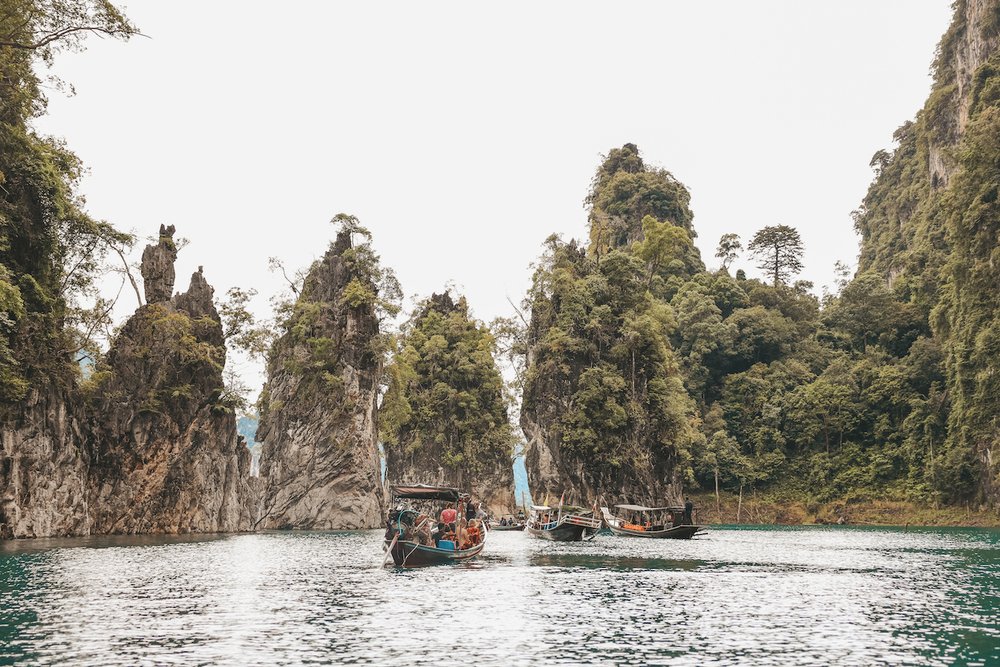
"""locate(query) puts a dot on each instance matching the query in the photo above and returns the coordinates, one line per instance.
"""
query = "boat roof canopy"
(422, 492)
(641, 508)
(556, 508)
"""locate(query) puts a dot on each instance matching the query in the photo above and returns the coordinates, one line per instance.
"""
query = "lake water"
(746, 596)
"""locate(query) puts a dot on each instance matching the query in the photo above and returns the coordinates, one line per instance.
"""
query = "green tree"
(779, 251)
(445, 406)
(42, 27)
(728, 250)
(664, 247)
(871, 313)
(51, 251)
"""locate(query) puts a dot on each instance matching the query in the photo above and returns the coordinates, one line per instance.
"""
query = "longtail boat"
(651, 522)
(402, 537)
(510, 522)
(562, 523)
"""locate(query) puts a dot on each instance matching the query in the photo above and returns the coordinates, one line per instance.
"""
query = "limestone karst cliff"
(148, 444)
(44, 468)
(43, 464)
(444, 416)
(604, 408)
(319, 462)
(165, 453)
(902, 223)
(929, 226)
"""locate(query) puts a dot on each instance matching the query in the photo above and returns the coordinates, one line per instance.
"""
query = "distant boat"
(562, 523)
(512, 523)
(405, 547)
(656, 522)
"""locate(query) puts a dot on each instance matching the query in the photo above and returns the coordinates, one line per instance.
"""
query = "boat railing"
(581, 520)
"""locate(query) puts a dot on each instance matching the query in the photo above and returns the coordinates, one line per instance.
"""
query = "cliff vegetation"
(444, 415)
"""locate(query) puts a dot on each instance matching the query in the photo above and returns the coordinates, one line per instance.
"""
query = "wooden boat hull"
(566, 532)
(411, 554)
(518, 527)
(684, 532)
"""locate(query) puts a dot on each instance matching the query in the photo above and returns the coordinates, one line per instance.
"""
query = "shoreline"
(767, 509)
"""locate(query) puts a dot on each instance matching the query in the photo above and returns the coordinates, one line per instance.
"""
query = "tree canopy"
(51, 251)
(728, 250)
(445, 407)
(779, 251)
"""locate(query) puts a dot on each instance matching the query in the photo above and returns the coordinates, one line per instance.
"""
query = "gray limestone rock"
(167, 457)
(157, 267)
(43, 470)
(319, 463)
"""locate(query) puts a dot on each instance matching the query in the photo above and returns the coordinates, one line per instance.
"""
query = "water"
(747, 596)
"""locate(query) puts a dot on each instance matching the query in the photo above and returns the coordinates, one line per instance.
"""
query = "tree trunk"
(826, 435)
(718, 503)
(739, 505)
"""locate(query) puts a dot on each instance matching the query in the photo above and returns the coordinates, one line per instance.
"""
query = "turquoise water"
(737, 596)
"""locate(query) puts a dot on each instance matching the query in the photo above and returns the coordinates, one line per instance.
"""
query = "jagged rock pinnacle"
(157, 267)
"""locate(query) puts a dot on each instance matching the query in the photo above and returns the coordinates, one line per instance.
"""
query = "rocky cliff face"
(151, 447)
(165, 452)
(445, 419)
(929, 226)
(553, 473)
(319, 461)
(43, 469)
(902, 226)
(969, 43)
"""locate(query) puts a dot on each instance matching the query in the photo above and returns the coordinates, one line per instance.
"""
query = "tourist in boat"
(472, 535)
(448, 515)
(390, 527)
(424, 530)
(438, 533)
(688, 512)
(470, 511)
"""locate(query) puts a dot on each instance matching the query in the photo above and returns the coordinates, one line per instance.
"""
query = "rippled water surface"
(748, 596)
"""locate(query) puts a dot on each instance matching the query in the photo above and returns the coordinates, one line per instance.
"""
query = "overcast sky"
(463, 134)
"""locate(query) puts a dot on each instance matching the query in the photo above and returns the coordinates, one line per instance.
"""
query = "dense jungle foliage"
(446, 406)
(842, 397)
(636, 357)
(50, 250)
(603, 380)
(930, 225)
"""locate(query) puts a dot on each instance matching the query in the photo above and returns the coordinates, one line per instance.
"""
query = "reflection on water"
(735, 596)
(613, 561)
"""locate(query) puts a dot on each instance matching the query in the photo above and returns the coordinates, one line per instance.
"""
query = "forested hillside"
(444, 415)
(929, 228)
(884, 390)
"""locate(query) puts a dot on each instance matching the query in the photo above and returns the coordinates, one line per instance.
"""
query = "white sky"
(463, 134)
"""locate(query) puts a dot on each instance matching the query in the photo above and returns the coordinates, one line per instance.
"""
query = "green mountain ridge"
(887, 389)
